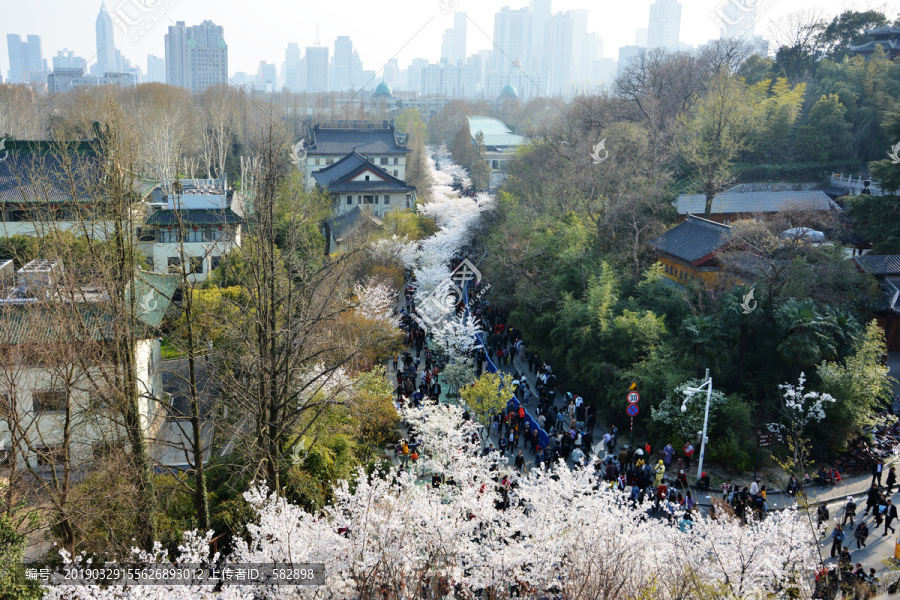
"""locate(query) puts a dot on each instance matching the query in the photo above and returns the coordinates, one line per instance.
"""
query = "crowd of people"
(660, 480)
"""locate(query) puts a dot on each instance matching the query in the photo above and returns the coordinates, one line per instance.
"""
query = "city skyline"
(419, 26)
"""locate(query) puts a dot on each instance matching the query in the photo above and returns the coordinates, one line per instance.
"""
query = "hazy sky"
(261, 29)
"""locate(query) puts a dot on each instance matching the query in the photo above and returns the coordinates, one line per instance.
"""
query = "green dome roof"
(509, 91)
(383, 89)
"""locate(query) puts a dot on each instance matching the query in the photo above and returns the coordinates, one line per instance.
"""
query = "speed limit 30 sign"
(633, 397)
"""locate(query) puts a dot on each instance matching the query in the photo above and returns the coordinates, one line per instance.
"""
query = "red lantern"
(195, 229)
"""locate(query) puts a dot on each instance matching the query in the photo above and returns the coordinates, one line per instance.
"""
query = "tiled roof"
(338, 177)
(879, 265)
(753, 202)
(351, 163)
(199, 216)
(27, 177)
(37, 323)
(345, 141)
(692, 239)
(348, 222)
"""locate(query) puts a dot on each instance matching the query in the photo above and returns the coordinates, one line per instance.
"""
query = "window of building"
(367, 177)
(495, 164)
(359, 199)
(376, 199)
(349, 199)
(395, 172)
(196, 264)
(387, 199)
(396, 160)
(317, 161)
(174, 264)
(48, 400)
(214, 262)
(384, 160)
(150, 263)
(329, 161)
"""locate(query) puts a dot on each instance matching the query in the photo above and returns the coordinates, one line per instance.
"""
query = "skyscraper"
(196, 57)
(665, 24)
(316, 69)
(343, 63)
(453, 45)
(512, 38)
(156, 69)
(540, 14)
(291, 69)
(26, 62)
(108, 60)
(66, 59)
(176, 54)
(560, 43)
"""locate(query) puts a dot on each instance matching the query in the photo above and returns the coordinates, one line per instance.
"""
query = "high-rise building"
(591, 51)
(196, 57)
(415, 73)
(66, 59)
(449, 80)
(108, 60)
(626, 55)
(540, 14)
(267, 74)
(291, 68)
(453, 45)
(26, 62)
(156, 69)
(560, 44)
(317, 69)
(665, 24)
(342, 63)
(512, 38)
(640, 37)
(177, 72)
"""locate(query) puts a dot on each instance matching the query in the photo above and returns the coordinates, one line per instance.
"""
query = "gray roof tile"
(692, 239)
(879, 264)
(753, 202)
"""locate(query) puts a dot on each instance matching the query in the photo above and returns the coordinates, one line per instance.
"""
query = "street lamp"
(688, 394)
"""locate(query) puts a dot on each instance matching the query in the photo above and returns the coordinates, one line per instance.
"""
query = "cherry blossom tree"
(484, 528)
(455, 337)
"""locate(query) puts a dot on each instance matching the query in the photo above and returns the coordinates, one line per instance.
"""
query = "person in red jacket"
(688, 455)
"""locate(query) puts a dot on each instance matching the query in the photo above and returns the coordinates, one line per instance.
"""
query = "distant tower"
(665, 24)
(106, 44)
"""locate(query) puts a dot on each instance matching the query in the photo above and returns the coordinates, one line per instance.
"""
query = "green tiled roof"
(197, 216)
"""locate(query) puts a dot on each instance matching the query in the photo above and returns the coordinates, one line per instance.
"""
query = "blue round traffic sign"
(632, 410)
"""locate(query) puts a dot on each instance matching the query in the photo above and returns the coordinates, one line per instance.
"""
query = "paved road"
(878, 548)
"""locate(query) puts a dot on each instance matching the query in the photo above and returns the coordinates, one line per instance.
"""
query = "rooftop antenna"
(317, 35)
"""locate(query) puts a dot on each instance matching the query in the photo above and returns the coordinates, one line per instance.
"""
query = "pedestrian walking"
(861, 533)
(668, 453)
(520, 462)
(877, 469)
(889, 515)
(837, 537)
(849, 511)
(872, 499)
(891, 480)
(822, 515)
